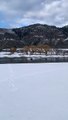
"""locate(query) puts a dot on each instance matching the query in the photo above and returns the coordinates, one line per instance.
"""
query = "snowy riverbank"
(8, 57)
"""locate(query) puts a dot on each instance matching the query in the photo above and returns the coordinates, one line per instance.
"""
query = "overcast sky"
(16, 13)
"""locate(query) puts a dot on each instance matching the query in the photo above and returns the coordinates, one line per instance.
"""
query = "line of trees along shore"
(40, 49)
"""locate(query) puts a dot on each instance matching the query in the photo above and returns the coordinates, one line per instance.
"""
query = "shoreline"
(5, 60)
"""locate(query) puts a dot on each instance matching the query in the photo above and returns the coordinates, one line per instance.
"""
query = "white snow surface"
(9, 55)
(34, 91)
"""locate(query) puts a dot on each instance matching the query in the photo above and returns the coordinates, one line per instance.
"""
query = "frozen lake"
(34, 91)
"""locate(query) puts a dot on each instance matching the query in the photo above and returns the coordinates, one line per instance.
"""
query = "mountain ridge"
(35, 34)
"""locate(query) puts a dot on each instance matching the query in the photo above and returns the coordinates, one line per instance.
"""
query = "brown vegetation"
(12, 50)
(39, 48)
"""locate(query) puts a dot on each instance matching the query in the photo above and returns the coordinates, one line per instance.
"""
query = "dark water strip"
(32, 60)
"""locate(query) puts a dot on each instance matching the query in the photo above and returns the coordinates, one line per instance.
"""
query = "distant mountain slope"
(36, 34)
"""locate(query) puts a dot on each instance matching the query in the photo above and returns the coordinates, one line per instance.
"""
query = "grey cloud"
(21, 12)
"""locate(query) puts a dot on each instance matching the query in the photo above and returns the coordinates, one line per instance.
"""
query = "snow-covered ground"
(34, 91)
(37, 55)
